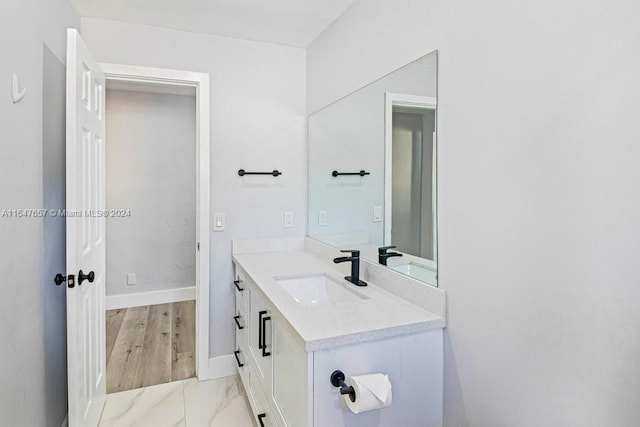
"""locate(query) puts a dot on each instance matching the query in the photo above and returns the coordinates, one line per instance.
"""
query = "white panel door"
(85, 234)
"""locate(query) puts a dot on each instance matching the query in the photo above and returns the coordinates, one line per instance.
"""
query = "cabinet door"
(260, 341)
(263, 413)
(266, 416)
(291, 369)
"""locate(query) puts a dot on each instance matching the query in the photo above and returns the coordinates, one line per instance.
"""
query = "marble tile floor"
(187, 403)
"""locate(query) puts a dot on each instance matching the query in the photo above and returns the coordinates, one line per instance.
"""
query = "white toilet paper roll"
(372, 391)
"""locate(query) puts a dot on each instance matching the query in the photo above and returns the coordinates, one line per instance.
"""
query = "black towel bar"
(361, 173)
(275, 172)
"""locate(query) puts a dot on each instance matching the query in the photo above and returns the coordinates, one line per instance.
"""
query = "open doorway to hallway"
(151, 239)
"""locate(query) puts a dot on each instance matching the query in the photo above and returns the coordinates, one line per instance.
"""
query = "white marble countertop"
(381, 316)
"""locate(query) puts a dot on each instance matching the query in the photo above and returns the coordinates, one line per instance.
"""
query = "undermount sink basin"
(416, 271)
(317, 289)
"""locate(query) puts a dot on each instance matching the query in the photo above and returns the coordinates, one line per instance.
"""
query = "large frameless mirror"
(372, 171)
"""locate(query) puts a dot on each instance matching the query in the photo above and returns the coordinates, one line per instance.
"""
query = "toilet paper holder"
(337, 379)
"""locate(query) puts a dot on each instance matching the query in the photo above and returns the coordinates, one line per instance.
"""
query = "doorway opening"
(410, 175)
(157, 228)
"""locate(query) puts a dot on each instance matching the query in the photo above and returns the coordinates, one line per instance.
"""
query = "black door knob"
(82, 277)
(59, 279)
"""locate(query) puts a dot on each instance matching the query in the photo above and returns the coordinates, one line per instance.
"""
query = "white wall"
(538, 195)
(257, 123)
(151, 171)
(32, 392)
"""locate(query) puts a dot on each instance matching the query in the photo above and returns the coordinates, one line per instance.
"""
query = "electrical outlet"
(377, 214)
(322, 218)
(131, 279)
(288, 219)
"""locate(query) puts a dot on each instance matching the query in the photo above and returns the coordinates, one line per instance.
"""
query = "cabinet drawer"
(241, 359)
(240, 287)
(240, 321)
(241, 305)
(241, 341)
(241, 324)
(259, 336)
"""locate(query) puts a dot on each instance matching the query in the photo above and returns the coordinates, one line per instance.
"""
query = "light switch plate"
(322, 218)
(377, 213)
(131, 279)
(219, 221)
(288, 219)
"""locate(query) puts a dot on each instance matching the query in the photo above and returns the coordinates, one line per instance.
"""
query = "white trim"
(222, 366)
(412, 101)
(434, 195)
(200, 81)
(150, 298)
(391, 100)
(165, 76)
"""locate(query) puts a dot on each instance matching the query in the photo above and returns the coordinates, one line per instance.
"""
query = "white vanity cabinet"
(273, 364)
(289, 386)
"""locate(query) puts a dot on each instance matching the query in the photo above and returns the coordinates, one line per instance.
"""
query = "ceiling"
(289, 22)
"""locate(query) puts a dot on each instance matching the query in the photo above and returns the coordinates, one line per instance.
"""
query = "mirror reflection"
(372, 171)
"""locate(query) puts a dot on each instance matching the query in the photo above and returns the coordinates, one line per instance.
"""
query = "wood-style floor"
(149, 345)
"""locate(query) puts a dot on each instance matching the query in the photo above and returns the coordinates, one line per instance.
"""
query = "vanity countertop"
(382, 315)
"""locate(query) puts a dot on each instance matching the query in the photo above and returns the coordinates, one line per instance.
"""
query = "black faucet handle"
(383, 250)
(354, 252)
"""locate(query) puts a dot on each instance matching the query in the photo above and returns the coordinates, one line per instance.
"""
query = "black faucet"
(355, 267)
(383, 255)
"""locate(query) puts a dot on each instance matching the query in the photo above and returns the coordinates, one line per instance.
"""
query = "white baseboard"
(150, 298)
(222, 366)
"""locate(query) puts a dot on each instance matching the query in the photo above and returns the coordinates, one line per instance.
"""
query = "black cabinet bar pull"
(238, 321)
(260, 417)
(260, 314)
(237, 283)
(265, 353)
(361, 173)
(275, 172)
(237, 353)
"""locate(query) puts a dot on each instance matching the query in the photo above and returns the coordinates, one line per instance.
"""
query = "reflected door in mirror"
(412, 183)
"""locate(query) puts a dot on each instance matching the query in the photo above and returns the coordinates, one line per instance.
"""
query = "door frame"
(419, 102)
(199, 82)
